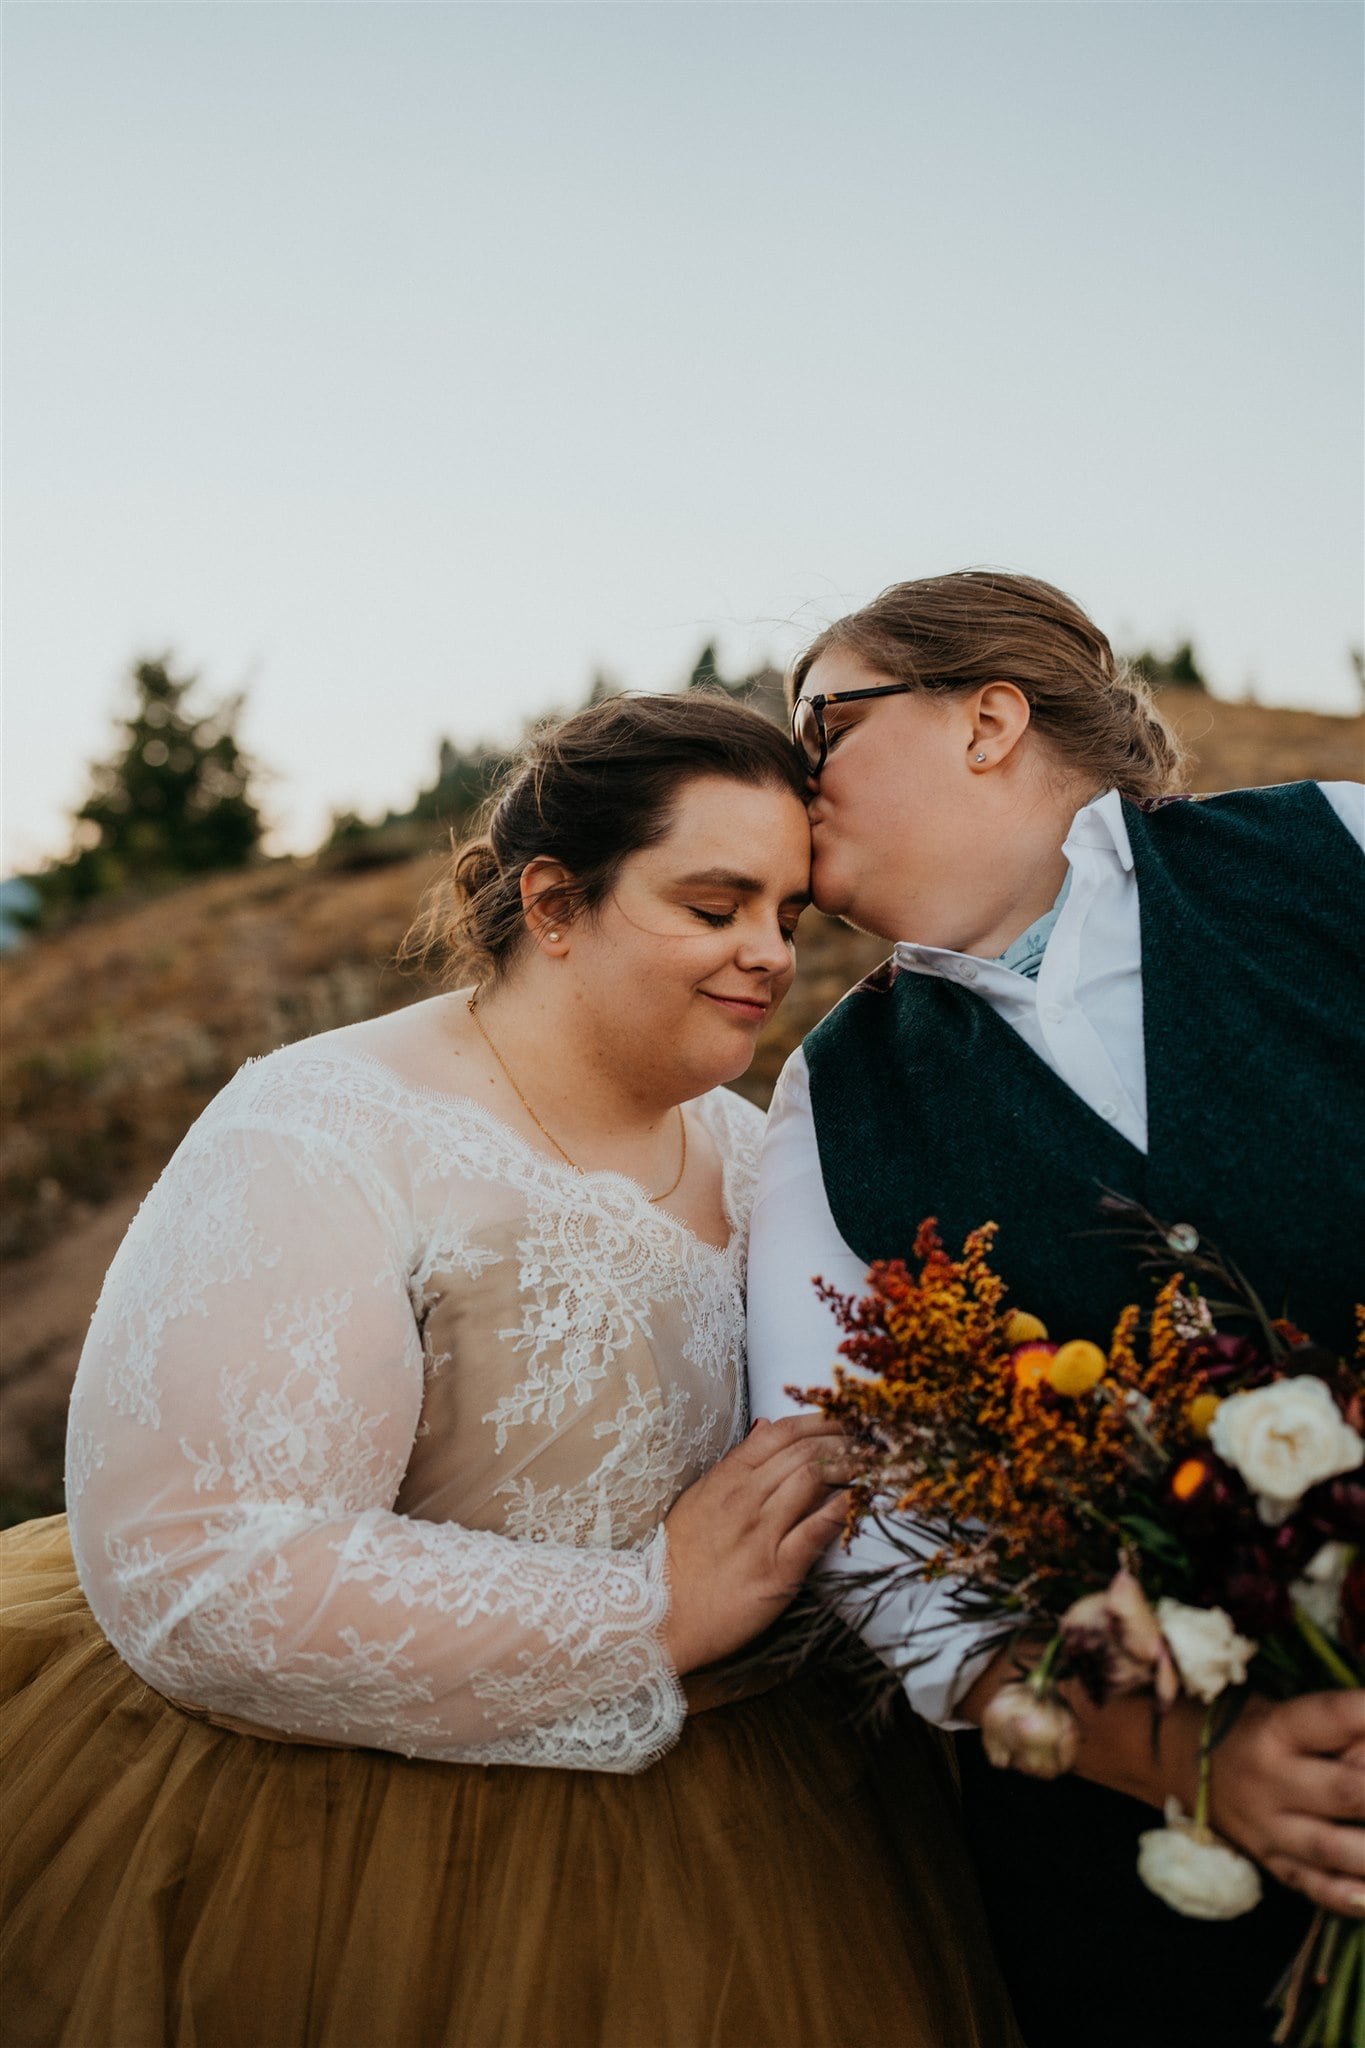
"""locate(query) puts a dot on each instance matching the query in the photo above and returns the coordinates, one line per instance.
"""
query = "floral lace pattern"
(380, 1414)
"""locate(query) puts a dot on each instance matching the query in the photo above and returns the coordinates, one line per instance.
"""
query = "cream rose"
(1209, 1654)
(1036, 1733)
(1318, 1592)
(1283, 1439)
(1191, 1869)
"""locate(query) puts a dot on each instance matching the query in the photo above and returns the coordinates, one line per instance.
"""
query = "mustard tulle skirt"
(786, 1877)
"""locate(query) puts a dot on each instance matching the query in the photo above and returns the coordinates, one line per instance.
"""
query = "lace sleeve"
(242, 1418)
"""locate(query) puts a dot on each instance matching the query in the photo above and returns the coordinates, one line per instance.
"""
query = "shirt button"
(1109, 1111)
(1054, 1013)
(967, 973)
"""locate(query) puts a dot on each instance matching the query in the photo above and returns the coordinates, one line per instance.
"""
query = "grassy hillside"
(120, 1029)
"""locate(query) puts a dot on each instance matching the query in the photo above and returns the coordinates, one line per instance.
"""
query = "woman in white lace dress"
(408, 1449)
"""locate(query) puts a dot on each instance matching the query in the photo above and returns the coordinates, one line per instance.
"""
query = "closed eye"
(717, 919)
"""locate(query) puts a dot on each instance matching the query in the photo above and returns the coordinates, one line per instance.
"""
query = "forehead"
(719, 822)
(839, 669)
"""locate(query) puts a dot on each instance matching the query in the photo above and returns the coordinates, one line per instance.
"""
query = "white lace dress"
(381, 1412)
(371, 1444)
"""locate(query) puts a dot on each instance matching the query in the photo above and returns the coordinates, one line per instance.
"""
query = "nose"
(764, 952)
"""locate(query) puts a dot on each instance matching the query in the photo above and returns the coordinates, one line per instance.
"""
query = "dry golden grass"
(120, 1029)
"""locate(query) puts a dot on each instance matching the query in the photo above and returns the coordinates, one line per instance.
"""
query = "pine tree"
(175, 799)
(705, 675)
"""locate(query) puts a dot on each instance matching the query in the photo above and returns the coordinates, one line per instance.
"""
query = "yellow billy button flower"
(1022, 1328)
(1031, 1363)
(1200, 1412)
(1077, 1367)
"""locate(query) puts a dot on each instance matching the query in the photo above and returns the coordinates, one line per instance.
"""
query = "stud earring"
(981, 757)
(552, 937)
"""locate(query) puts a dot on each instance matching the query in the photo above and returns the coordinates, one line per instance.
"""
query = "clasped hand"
(1288, 1786)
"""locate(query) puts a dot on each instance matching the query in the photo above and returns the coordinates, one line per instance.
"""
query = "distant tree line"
(178, 795)
(1179, 667)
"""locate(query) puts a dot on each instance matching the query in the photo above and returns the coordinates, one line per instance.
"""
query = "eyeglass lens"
(806, 732)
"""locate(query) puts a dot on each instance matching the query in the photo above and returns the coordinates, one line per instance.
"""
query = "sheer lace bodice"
(381, 1411)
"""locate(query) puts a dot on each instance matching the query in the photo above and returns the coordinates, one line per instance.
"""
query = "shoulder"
(1268, 801)
(325, 1104)
(313, 1082)
(735, 1125)
(1347, 800)
(863, 1012)
(1310, 816)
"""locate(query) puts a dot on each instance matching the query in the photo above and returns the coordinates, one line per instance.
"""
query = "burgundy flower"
(1255, 1594)
(1338, 1508)
(1353, 1609)
(1222, 1357)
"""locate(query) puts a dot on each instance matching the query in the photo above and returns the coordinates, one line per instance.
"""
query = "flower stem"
(1201, 1797)
(1324, 1650)
(1040, 1678)
(1339, 1993)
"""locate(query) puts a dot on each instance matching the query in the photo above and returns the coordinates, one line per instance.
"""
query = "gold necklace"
(664, 1193)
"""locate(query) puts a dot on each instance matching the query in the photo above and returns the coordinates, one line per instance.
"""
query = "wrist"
(1225, 1760)
(672, 1631)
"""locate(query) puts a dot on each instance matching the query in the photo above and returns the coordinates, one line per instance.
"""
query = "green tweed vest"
(926, 1102)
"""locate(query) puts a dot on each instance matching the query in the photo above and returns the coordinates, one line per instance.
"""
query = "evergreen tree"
(705, 675)
(175, 798)
(1181, 667)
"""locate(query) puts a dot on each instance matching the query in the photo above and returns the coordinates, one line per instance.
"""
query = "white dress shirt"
(1083, 1018)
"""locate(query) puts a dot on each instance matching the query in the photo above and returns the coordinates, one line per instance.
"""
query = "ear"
(999, 718)
(547, 904)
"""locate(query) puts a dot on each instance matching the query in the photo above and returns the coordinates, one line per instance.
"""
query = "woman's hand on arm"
(743, 1537)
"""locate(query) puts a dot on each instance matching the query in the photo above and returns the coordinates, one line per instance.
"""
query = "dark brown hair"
(979, 626)
(587, 792)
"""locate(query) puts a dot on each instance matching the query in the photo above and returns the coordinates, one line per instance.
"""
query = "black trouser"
(1094, 1959)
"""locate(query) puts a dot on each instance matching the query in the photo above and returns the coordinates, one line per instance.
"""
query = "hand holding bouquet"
(1179, 1510)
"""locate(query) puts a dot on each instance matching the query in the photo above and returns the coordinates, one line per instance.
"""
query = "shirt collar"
(1101, 824)
(1098, 826)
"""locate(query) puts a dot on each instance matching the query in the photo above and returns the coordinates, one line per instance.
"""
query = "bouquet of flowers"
(1177, 1509)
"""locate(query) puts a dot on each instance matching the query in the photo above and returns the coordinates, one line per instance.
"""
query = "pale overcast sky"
(408, 362)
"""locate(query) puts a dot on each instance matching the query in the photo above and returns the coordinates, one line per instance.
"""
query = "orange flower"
(1031, 1362)
(1189, 1477)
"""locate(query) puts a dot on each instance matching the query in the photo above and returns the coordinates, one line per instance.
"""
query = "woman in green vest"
(1091, 988)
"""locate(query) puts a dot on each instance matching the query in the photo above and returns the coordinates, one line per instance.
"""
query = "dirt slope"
(118, 1031)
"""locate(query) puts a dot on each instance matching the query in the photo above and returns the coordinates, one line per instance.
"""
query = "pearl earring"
(552, 937)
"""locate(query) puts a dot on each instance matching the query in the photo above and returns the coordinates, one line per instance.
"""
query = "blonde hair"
(980, 626)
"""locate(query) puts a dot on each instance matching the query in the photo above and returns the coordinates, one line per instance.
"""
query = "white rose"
(1283, 1439)
(1208, 1651)
(1189, 1868)
(1318, 1592)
